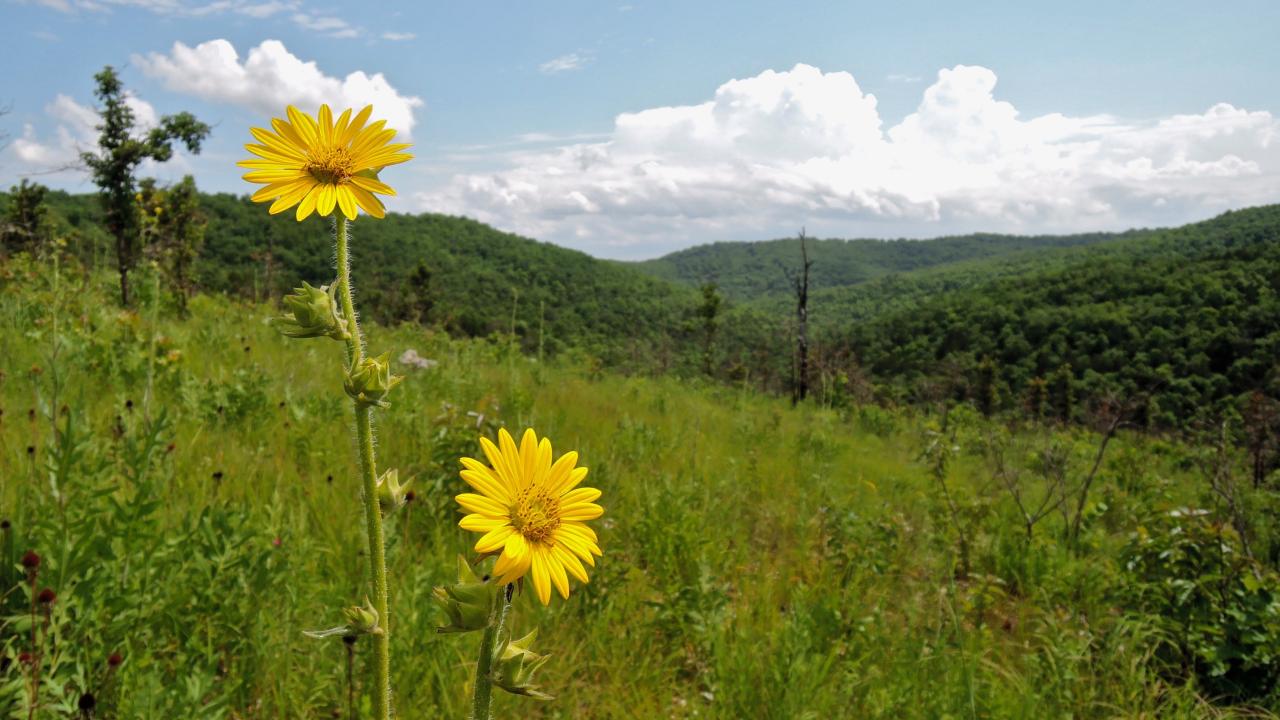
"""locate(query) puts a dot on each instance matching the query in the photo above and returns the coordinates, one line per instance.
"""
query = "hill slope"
(198, 508)
(458, 273)
(1190, 315)
(749, 270)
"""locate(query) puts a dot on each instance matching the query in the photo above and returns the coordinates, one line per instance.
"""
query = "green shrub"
(1217, 609)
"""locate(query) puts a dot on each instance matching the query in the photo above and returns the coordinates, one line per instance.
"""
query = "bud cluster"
(313, 312)
(391, 494)
(370, 380)
(514, 665)
(467, 603)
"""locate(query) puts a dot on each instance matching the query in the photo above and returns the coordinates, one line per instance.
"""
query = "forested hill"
(442, 270)
(750, 270)
(1187, 317)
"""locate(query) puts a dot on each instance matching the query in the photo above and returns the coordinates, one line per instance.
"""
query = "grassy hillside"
(181, 481)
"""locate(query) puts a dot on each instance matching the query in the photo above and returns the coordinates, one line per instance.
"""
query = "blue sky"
(1019, 117)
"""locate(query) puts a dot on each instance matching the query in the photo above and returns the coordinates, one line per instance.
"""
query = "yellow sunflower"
(531, 512)
(318, 164)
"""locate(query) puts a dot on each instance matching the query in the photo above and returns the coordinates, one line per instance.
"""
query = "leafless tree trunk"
(1116, 421)
(800, 283)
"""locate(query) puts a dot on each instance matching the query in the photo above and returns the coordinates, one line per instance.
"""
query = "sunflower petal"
(368, 202)
(372, 185)
(481, 504)
(357, 124)
(579, 495)
(481, 523)
(571, 563)
(499, 465)
(581, 511)
(347, 202)
(484, 480)
(540, 575)
(494, 540)
(328, 198)
(556, 569)
(308, 204)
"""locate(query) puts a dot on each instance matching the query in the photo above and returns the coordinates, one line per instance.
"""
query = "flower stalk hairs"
(330, 167)
(531, 513)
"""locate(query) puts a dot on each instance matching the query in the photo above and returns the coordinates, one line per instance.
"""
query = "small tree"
(173, 227)
(118, 156)
(27, 225)
(709, 312)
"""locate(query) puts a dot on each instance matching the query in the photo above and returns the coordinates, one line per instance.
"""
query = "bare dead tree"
(1052, 471)
(1115, 417)
(1261, 424)
(1218, 467)
(800, 284)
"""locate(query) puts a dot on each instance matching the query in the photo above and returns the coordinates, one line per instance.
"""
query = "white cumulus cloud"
(767, 154)
(270, 77)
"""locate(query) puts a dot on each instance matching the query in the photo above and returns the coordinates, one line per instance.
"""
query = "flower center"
(535, 515)
(331, 166)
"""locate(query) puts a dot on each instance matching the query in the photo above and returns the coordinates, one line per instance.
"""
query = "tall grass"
(760, 560)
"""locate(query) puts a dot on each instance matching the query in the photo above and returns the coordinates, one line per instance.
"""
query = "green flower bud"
(391, 494)
(360, 621)
(514, 665)
(370, 380)
(313, 312)
(467, 603)
(363, 620)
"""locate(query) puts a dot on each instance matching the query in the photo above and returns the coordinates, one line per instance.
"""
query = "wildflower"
(114, 660)
(87, 703)
(319, 164)
(30, 560)
(47, 596)
(531, 512)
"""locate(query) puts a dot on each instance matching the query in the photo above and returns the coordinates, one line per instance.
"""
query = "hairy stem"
(482, 691)
(369, 488)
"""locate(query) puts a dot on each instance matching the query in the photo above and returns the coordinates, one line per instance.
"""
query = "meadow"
(190, 489)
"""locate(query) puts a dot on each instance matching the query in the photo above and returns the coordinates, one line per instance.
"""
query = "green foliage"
(760, 560)
(119, 153)
(1218, 611)
(27, 225)
(1189, 318)
(1185, 320)
(173, 230)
